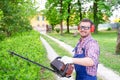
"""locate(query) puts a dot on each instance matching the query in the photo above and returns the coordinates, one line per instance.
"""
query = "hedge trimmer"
(58, 67)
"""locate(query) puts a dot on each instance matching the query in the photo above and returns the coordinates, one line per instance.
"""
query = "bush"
(57, 30)
(28, 45)
(109, 29)
(2, 36)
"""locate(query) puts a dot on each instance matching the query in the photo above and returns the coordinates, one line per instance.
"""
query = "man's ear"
(92, 28)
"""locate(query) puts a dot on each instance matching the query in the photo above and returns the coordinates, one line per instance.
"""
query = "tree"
(116, 6)
(80, 9)
(16, 16)
(71, 7)
(95, 11)
(101, 8)
(61, 17)
(52, 12)
(117, 51)
(53, 20)
(67, 13)
(72, 11)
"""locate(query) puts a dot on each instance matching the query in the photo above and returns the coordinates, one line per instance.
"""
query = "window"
(38, 18)
(42, 18)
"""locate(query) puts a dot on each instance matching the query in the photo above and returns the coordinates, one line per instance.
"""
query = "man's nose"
(82, 29)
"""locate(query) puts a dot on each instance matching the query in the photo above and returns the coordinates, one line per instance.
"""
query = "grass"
(107, 42)
(59, 50)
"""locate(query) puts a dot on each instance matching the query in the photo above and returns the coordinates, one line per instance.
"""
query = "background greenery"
(28, 45)
(71, 12)
(15, 16)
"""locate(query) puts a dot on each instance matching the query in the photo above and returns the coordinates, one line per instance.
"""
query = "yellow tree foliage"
(116, 20)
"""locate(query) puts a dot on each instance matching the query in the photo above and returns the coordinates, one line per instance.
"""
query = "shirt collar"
(86, 38)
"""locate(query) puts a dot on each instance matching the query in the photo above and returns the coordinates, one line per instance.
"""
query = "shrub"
(2, 36)
(28, 45)
(109, 29)
(57, 30)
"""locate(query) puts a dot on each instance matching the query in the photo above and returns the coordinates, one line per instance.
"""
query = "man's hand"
(66, 60)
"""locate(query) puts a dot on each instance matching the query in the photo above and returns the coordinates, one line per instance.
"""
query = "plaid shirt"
(92, 51)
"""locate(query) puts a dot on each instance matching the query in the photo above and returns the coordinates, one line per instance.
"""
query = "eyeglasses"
(84, 27)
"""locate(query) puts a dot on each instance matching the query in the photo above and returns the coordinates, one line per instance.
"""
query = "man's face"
(84, 29)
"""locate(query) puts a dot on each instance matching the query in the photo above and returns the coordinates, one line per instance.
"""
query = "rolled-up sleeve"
(92, 51)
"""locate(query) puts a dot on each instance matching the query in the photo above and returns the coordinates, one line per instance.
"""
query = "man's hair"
(87, 20)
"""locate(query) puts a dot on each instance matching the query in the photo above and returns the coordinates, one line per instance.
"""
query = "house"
(38, 22)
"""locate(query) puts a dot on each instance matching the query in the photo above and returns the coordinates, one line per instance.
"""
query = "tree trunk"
(96, 20)
(80, 13)
(68, 18)
(61, 25)
(118, 42)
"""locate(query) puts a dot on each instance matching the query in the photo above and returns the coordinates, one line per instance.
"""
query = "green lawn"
(60, 50)
(107, 42)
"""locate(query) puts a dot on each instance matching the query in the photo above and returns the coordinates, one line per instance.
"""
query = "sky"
(116, 13)
(41, 4)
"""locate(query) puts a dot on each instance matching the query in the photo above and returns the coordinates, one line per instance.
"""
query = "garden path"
(103, 72)
(52, 55)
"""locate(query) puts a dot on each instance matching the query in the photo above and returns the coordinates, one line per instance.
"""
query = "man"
(86, 57)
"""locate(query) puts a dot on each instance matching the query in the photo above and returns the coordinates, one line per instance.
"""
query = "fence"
(108, 25)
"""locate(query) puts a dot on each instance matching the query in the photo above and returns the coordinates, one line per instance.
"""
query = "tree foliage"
(74, 10)
(50, 10)
(14, 16)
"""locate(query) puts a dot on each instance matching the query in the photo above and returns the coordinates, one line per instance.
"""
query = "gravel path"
(52, 55)
(105, 73)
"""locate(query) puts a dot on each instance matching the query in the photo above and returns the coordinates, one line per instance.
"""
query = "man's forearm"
(83, 61)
